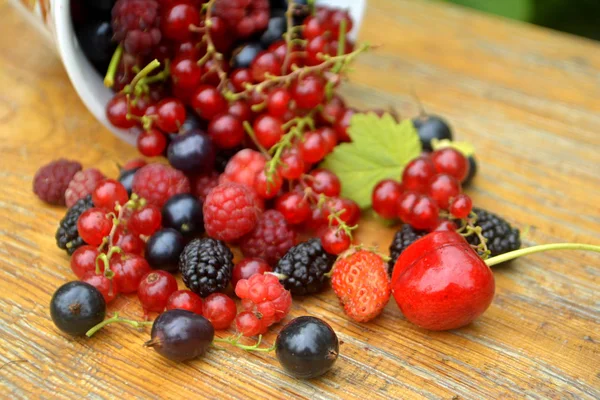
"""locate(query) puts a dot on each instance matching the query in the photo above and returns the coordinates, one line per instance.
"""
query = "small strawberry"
(361, 282)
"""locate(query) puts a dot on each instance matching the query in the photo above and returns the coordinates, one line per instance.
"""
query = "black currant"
(181, 335)
(183, 212)
(95, 39)
(307, 347)
(101, 5)
(126, 179)
(244, 55)
(193, 151)
(76, 307)
(163, 249)
(276, 29)
(472, 170)
(193, 121)
(431, 127)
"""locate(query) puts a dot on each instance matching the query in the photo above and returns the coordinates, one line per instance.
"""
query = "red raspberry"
(52, 180)
(271, 238)
(243, 167)
(244, 16)
(203, 184)
(83, 183)
(135, 23)
(157, 183)
(230, 212)
(266, 298)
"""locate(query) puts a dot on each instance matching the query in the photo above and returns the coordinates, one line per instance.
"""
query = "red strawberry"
(361, 282)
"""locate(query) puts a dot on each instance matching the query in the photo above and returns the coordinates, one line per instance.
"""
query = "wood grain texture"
(527, 98)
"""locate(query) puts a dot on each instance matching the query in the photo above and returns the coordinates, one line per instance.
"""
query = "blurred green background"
(579, 17)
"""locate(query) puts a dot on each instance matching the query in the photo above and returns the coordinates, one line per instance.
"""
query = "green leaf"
(380, 149)
(515, 9)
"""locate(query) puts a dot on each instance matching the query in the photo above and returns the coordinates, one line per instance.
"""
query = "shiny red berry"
(278, 101)
(342, 124)
(185, 300)
(207, 101)
(117, 112)
(220, 310)
(128, 242)
(268, 130)
(108, 287)
(83, 260)
(324, 181)
(292, 164)
(129, 269)
(313, 147)
(226, 131)
(240, 109)
(186, 72)
(109, 193)
(93, 225)
(155, 289)
(335, 241)
(460, 206)
(442, 188)
(264, 64)
(405, 204)
(267, 189)
(248, 267)
(170, 115)
(151, 143)
(294, 207)
(452, 162)
(424, 213)
(308, 92)
(239, 78)
(385, 198)
(417, 174)
(176, 21)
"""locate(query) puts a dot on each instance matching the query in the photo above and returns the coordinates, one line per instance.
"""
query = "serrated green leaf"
(380, 149)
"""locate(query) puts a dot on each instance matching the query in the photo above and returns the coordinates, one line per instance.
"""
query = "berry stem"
(211, 50)
(116, 318)
(234, 341)
(109, 78)
(296, 128)
(252, 135)
(340, 52)
(151, 66)
(288, 35)
(540, 248)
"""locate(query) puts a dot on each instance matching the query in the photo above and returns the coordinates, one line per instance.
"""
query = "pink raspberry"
(243, 167)
(264, 301)
(203, 184)
(230, 212)
(157, 183)
(135, 23)
(52, 180)
(83, 183)
(271, 238)
(245, 17)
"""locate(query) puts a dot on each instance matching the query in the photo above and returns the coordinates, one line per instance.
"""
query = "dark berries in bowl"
(307, 347)
(76, 307)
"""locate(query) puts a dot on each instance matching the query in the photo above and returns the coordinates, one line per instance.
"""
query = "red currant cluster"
(429, 193)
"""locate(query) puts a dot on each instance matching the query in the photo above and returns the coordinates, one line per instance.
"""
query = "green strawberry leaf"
(380, 149)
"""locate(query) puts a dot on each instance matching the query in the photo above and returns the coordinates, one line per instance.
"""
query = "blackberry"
(206, 266)
(67, 237)
(501, 237)
(304, 267)
(403, 238)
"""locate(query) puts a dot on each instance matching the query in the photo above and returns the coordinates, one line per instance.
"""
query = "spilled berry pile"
(239, 97)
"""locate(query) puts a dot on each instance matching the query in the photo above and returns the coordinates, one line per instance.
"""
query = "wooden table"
(527, 98)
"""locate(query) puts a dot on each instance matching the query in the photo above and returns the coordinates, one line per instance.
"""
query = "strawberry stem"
(537, 249)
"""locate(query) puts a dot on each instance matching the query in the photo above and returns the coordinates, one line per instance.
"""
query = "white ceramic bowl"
(89, 84)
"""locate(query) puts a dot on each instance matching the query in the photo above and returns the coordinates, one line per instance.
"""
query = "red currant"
(342, 124)
(315, 49)
(248, 267)
(452, 162)
(186, 72)
(93, 226)
(117, 112)
(226, 131)
(128, 242)
(176, 22)
(208, 102)
(108, 287)
(240, 109)
(329, 138)
(151, 143)
(308, 92)
(210, 75)
(264, 64)
(325, 181)
(278, 101)
(335, 241)
(108, 193)
(240, 78)
(332, 110)
(405, 204)
(385, 198)
(83, 260)
(145, 221)
(292, 164)
(185, 300)
(352, 213)
(424, 213)
(129, 269)
(460, 206)
(265, 189)
(313, 27)
(188, 50)
(316, 219)
(280, 50)
(170, 115)
(268, 130)
(155, 289)
(335, 19)
(417, 174)
(313, 147)
(442, 188)
(248, 324)
(294, 207)
(334, 44)
(220, 310)
(445, 225)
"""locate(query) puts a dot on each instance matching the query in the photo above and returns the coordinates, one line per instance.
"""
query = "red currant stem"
(234, 341)
(288, 36)
(338, 66)
(116, 318)
(109, 78)
(211, 50)
(259, 146)
(296, 73)
(540, 248)
(142, 85)
(259, 107)
(151, 66)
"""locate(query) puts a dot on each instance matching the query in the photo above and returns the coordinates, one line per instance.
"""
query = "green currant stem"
(296, 128)
(252, 135)
(234, 341)
(109, 78)
(116, 318)
(537, 249)
(288, 35)
(151, 66)
(211, 50)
